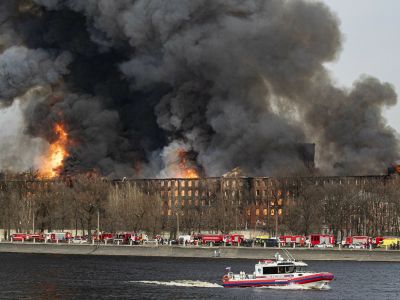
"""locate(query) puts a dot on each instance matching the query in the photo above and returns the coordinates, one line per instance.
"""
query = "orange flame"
(53, 162)
(185, 170)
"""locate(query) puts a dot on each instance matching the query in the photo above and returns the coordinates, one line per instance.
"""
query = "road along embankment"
(201, 252)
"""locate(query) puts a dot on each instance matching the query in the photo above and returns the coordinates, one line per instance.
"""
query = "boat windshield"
(283, 269)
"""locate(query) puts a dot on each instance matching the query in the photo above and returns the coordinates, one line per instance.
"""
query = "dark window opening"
(270, 270)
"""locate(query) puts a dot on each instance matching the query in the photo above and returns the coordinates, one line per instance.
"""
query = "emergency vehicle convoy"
(292, 241)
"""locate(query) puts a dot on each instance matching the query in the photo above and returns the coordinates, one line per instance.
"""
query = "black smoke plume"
(237, 83)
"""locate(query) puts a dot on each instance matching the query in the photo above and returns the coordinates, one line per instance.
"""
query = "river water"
(42, 276)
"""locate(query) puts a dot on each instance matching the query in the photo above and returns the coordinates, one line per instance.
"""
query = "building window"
(248, 212)
(169, 212)
(272, 203)
(196, 202)
(183, 202)
(190, 193)
(183, 193)
(265, 212)
(190, 183)
(162, 182)
(280, 201)
(196, 183)
(169, 183)
(176, 193)
(257, 192)
(176, 183)
(196, 193)
(280, 211)
(169, 202)
(257, 211)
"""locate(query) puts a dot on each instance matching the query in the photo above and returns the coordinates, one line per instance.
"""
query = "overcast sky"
(371, 46)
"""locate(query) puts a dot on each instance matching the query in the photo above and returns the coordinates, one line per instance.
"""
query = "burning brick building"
(256, 202)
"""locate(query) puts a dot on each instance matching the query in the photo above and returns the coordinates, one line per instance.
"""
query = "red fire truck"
(357, 240)
(37, 237)
(106, 237)
(18, 237)
(233, 239)
(289, 240)
(318, 240)
(211, 238)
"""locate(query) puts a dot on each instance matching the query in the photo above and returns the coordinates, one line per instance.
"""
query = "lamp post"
(276, 221)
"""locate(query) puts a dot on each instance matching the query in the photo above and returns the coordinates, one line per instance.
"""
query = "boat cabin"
(269, 267)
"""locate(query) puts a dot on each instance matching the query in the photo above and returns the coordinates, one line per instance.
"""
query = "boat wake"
(296, 287)
(182, 283)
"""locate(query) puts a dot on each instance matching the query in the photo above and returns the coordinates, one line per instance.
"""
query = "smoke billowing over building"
(179, 88)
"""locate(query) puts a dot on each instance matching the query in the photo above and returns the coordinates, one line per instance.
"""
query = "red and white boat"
(280, 272)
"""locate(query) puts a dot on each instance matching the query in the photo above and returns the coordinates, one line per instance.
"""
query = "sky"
(371, 45)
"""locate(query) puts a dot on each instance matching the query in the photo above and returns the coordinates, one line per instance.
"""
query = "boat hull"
(312, 281)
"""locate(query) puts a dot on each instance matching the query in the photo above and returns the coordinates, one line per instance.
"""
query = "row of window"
(189, 202)
(265, 211)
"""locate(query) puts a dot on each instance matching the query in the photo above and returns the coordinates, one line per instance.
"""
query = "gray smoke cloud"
(235, 83)
(22, 68)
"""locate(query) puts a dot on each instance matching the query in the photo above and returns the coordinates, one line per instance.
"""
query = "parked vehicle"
(185, 239)
(356, 240)
(290, 240)
(215, 239)
(78, 240)
(389, 241)
(37, 237)
(376, 241)
(322, 240)
(18, 237)
(57, 237)
(106, 237)
(247, 243)
(233, 239)
(268, 242)
(323, 245)
(357, 246)
(122, 238)
(260, 239)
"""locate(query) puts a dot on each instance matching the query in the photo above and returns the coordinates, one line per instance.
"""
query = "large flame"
(185, 170)
(53, 161)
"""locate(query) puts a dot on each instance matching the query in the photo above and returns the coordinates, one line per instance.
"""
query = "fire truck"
(216, 239)
(233, 239)
(318, 240)
(18, 237)
(56, 237)
(37, 237)
(376, 241)
(106, 237)
(357, 240)
(289, 240)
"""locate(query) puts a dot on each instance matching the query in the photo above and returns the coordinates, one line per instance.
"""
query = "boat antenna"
(288, 255)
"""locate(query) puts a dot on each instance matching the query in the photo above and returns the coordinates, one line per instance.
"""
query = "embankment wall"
(201, 252)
